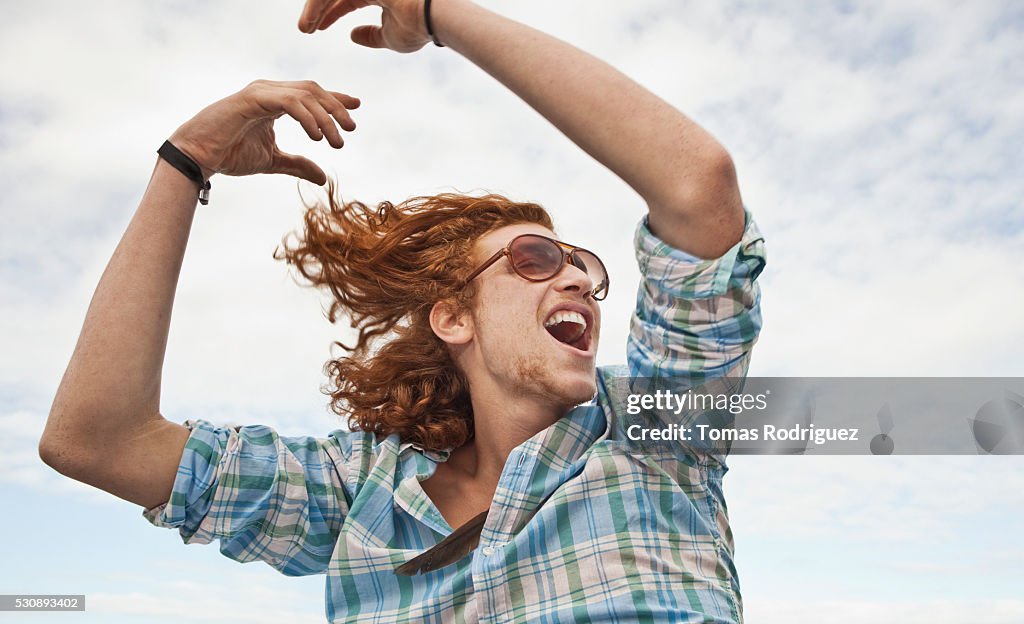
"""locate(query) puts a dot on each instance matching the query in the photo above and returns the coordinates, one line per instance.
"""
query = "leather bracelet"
(430, 27)
(188, 168)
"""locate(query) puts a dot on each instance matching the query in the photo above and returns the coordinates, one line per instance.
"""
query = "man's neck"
(500, 425)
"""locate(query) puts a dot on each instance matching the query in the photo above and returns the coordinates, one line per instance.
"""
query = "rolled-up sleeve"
(694, 318)
(276, 499)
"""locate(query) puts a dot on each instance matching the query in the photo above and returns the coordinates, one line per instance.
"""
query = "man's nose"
(573, 279)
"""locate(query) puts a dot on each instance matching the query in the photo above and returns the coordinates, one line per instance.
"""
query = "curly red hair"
(385, 268)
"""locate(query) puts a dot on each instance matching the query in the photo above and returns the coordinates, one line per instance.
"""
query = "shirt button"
(488, 551)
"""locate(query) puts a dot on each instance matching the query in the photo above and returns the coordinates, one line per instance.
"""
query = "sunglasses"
(537, 258)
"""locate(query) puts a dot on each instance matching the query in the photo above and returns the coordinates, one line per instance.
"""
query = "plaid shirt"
(622, 534)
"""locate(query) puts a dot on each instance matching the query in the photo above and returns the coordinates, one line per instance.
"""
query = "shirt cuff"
(193, 485)
(677, 273)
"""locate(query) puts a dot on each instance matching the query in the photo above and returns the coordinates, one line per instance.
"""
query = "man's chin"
(563, 387)
(578, 393)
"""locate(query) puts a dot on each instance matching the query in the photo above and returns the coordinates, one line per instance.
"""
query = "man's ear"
(451, 324)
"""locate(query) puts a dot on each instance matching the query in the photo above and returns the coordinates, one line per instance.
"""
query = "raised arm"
(105, 426)
(686, 177)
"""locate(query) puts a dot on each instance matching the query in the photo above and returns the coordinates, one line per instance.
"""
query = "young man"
(470, 416)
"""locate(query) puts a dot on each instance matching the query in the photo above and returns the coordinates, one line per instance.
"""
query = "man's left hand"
(402, 25)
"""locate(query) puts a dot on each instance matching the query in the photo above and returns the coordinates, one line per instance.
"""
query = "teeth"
(563, 316)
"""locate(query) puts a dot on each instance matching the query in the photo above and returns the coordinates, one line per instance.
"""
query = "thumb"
(369, 36)
(299, 167)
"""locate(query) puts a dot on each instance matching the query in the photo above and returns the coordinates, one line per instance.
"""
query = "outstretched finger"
(297, 110)
(312, 12)
(297, 166)
(311, 86)
(337, 104)
(369, 36)
(339, 10)
(324, 120)
(338, 111)
(348, 101)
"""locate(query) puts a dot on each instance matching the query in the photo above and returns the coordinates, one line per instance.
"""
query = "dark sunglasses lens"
(536, 257)
(592, 266)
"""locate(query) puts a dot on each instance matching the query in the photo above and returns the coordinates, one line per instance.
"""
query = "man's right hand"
(235, 136)
(105, 427)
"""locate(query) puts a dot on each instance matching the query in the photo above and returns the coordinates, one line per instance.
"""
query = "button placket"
(507, 502)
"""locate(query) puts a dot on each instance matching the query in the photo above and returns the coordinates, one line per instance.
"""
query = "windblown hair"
(385, 268)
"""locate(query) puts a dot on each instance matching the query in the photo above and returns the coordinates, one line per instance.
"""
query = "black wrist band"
(188, 167)
(430, 28)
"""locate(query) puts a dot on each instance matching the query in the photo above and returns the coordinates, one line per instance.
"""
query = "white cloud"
(890, 502)
(237, 593)
(184, 601)
(907, 611)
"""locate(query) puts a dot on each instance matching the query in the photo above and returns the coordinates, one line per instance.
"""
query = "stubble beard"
(534, 377)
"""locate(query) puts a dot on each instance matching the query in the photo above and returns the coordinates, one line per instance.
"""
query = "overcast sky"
(878, 144)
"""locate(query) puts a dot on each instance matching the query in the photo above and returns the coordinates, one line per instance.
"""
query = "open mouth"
(569, 327)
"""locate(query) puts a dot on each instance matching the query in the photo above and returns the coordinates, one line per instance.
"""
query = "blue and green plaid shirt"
(622, 534)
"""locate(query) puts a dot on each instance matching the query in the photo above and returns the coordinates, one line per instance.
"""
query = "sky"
(878, 145)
